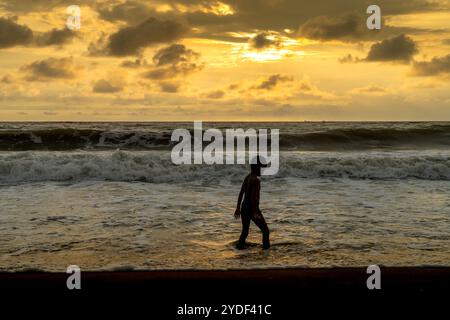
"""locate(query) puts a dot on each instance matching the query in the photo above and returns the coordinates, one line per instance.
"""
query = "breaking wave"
(156, 166)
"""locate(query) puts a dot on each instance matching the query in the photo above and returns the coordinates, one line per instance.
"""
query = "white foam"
(156, 166)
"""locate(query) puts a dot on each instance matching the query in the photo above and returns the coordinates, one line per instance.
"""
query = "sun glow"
(269, 54)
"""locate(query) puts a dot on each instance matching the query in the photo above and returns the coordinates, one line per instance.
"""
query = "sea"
(106, 196)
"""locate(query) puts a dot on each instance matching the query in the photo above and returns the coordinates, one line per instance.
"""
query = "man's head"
(256, 164)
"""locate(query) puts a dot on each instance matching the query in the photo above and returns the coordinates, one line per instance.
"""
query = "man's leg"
(262, 225)
(245, 226)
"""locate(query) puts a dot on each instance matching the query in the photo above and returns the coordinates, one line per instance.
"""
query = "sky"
(228, 60)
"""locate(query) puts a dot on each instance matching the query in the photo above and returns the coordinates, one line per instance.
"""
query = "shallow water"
(314, 222)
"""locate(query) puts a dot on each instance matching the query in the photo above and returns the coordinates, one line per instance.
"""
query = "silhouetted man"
(249, 211)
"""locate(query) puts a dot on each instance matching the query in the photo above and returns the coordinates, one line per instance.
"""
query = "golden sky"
(240, 60)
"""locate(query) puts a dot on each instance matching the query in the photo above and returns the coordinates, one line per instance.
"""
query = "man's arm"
(237, 213)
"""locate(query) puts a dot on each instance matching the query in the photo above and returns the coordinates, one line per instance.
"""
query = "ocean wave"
(59, 139)
(359, 138)
(156, 167)
(434, 136)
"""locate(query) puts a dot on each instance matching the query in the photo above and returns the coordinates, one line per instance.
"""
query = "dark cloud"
(128, 11)
(446, 42)
(437, 66)
(172, 61)
(169, 87)
(104, 86)
(349, 26)
(174, 54)
(99, 47)
(172, 71)
(276, 15)
(51, 68)
(161, 73)
(398, 49)
(218, 94)
(13, 34)
(272, 82)
(264, 40)
(332, 18)
(132, 40)
(248, 15)
(56, 37)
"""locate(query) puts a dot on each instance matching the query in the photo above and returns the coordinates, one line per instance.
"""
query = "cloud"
(218, 94)
(212, 18)
(173, 61)
(346, 27)
(437, 66)
(8, 79)
(51, 68)
(55, 36)
(278, 15)
(169, 87)
(351, 27)
(105, 86)
(264, 40)
(172, 71)
(215, 19)
(174, 54)
(13, 34)
(138, 63)
(25, 6)
(305, 90)
(446, 42)
(271, 90)
(128, 11)
(348, 59)
(132, 40)
(28, 5)
(398, 49)
(272, 81)
(371, 89)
